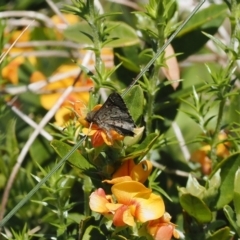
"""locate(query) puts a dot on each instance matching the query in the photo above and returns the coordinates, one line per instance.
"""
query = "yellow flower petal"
(126, 191)
(98, 201)
(141, 171)
(88, 131)
(62, 116)
(149, 209)
(118, 180)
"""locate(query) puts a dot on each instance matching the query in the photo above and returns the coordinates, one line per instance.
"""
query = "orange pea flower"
(162, 228)
(134, 202)
(131, 171)
(10, 71)
(48, 100)
(138, 202)
(98, 135)
(98, 201)
(201, 155)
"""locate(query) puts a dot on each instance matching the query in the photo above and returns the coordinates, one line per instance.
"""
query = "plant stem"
(96, 41)
(217, 129)
(87, 187)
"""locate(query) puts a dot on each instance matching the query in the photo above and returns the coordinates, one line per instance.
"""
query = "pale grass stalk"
(127, 3)
(55, 9)
(178, 133)
(170, 171)
(6, 53)
(29, 121)
(51, 43)
(29, 14)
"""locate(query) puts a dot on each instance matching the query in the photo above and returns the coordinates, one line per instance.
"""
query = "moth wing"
(121, 126)
(114, 107)
(114, 115)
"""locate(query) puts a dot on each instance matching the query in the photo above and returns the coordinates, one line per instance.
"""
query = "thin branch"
(29, 121)
(36, 86)
(5, 54)
(29, 14)
(67, 44)
(56, 10)
(127, 3)
(170, 171)
(181, 141)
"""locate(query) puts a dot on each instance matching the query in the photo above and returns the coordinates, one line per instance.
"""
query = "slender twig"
(181, 141)
(56, 10)
(29, 121)
(29, 14)
(67, 44)
(48, 53)
(127, 3)
(6, 53)
(170, 171)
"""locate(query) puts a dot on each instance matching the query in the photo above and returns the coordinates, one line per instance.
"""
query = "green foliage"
(120, 34)
(199, 116)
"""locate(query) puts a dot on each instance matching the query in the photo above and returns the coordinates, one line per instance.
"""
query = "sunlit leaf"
(123, 33)
(228, 168)
(196, 208)
(134, 100)
(76, 159)
(223, 234)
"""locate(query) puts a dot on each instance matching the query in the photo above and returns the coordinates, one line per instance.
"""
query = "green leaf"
(134, 100)
(212, 16)
(223, 234)
(127, 63)
(228, 168)
(191, 39)
(76, 159)
(212, 188)
(230, 215)
(236, 197)
(165, 106)
(126, 35)
(40, 150)
(143, 148)
(83, 226)
(11, 141)
(196, 208)
(93, 233)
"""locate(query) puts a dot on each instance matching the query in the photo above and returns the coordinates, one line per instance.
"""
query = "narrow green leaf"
(11, 141)
(230, 215)
(236, 197)
(123, 33)
(76, 159)
(216, 41)
(143, 148)
(127, 63)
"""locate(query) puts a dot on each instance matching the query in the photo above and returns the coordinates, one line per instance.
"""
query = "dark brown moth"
(113, 115)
